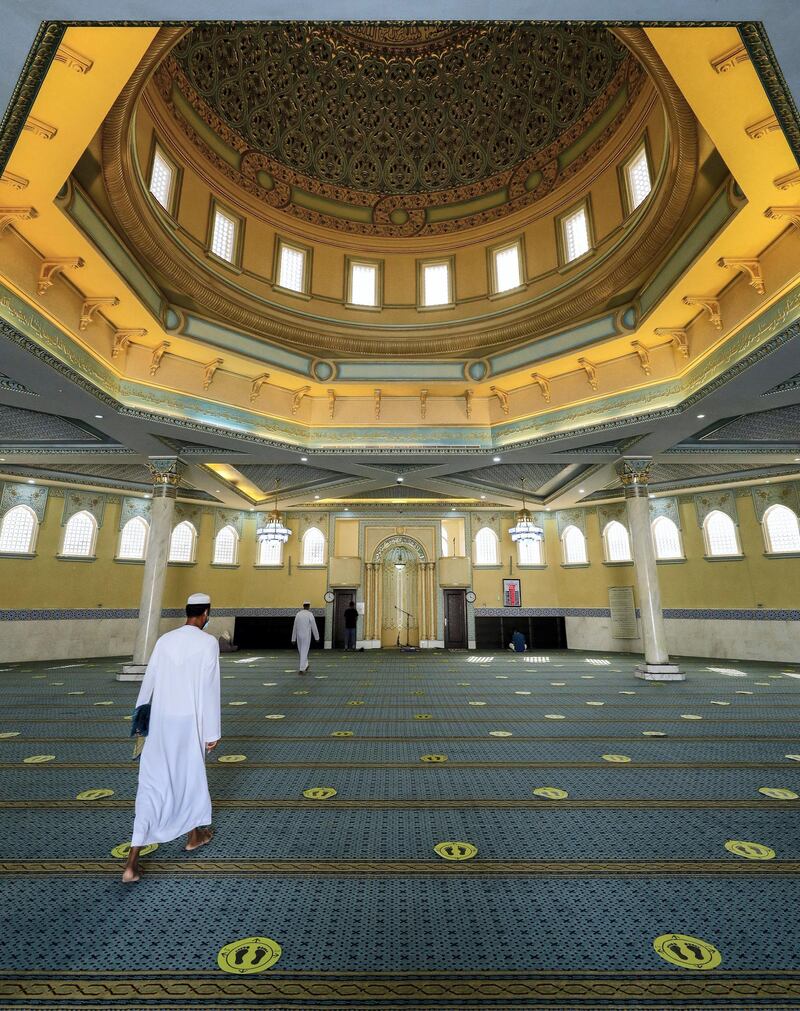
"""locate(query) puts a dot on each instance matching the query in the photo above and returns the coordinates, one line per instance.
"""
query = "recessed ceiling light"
(400, 480)
(797, 459)
(303, 459)
(316, 496)
(581, 491)
(483, 496)
(701, 415)
(496, 459)
(347, 509)
(99, 416)
(31, 481)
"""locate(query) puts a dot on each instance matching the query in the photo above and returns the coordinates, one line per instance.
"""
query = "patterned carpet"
(562, 905)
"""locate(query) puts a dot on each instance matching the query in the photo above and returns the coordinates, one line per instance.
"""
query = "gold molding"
(73, 59)
(761, 128)
(52, 267)
(785, 182)
(590, 371)
(679, 339)
(643, 355)
(256, 385)
(751, 267)
(543, 384)
(209, 371)
(39, 128)
(298, 398)
(158, 354)
(15, 181)
(123, 338)
(502, 396)
(10, 215)
(709, 305)
(725, 62)
(790, 213)
(90, 307)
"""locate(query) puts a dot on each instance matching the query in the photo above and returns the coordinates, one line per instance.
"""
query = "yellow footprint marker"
(123, 850)
(778, 792)
(558, 684)
(97, 794)
(433, 758)
(15, 733)
(714, 702)
(455, 850)
(38, 759)
(587, 677)
(500, 733)
(249, 955)
(230, 759)
(595, 703)
(554, 716)
(749, 850)
(269, 684)
(550, 793)
(501, 677)
(764, 684)
(627, 693)
(690, 716)
(476, 703)
(653, 733)
(275, 716)
(687, 952)
(76, 693)
(319, 793)
(615, 758)
(423, 716)
(342, 733)
(237, 703)
(104, 703)
(522, 693)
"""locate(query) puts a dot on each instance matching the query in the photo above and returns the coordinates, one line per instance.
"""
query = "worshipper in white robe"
(304, 627)
(182, 685)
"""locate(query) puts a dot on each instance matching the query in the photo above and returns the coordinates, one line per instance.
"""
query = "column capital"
(166, 472)
(635, 475)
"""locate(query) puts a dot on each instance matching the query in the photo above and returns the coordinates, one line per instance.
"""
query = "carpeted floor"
(560, 906)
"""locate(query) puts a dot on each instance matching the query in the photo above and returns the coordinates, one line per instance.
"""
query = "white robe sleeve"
(212, 729)
(294, 628)
(149, 679)
(314, 626)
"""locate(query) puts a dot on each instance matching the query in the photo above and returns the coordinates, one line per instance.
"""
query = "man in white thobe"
(304, 627)
(182, 685)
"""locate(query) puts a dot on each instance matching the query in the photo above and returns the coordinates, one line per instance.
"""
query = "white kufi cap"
(199, 598)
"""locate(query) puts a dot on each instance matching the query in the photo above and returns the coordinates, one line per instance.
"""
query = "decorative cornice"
(73, 59)
(762, 56)
(728, 60)
(751, 267)
(52, 267)
(92, 305)
(643, 355)
(678, 338)
(785, 182)
(755, 131)
(790, 214)
(708, 305)
(10, 215)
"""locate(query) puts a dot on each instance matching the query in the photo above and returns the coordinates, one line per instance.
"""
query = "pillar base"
(132, 672)
(659, 672)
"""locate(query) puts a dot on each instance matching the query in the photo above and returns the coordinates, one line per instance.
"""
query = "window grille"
(576, 234)
(507, 268)
(223, 236)
(292, 268)
(363, 284)
(313, 547)
(486, 547)
(270, 553)
(436, 284)
(666, 539)
(720, 533)
(530, 552)
(637, 173)
(574, 544)
(781, 530)
(162, 177)
(181, 544)
(133, 541)
(18, 530)
(225, 546)
(79, 536)
(618, 543)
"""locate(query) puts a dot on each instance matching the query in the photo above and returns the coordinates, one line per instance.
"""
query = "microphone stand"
(409, 616)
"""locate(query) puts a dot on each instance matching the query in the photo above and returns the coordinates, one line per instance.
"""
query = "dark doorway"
(341, 602)
(271, 633)
(455, 619)
(540, 633)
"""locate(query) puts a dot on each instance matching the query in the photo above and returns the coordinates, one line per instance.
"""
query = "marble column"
(431, 574)
(166, 473)
(369, 603)
(635, 474)
(422, 603)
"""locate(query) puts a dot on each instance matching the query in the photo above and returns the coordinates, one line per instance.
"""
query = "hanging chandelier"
(525, 530)
(273, 531)
(400, 564)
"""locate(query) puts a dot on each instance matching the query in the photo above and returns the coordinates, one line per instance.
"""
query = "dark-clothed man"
(350, 625)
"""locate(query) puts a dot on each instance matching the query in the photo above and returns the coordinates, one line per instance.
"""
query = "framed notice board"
(512, 596)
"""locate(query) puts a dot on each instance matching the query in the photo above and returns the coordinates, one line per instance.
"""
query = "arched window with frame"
(530, 552)
(574, 546)
(226, 546)
(18, 531)
(719, 531)
(133, 540)
(487, 547)
(80, 534)
(270, 553)
(183, 543)
(313, 547)
(666, 539)
(781, 530)
(616, 542)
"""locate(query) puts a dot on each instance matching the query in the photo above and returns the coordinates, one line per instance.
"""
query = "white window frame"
(262, 548)
(90, 553)
(318, 548)
(778, 509)
(497, 251)
(608, 545)
(658, 523)
(563, 234)
(737, 553)
(193, 552)
(490, 537)
(138, 521)
(304, 289)
(524, 551)
(377, 267)
(630, 201)
(422, 267)
(174, 173)
(564, 548)
(22, 509)
(445, 544)
(220, 212)
(234, 560)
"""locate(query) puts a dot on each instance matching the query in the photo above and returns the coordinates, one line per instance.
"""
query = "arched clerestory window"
(616, 542)
(720, 534)
(183, 542)
(18, 531)
(313, 547)
(781, 531)
(133, 539)
(573, 545)
(226, 546)
(80, 534)
(666, 539)
(487, 547)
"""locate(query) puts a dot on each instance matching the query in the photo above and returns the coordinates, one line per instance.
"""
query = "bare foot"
(197, 838)
(131, 874)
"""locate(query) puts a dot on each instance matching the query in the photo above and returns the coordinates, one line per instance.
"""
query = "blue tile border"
(93, 613)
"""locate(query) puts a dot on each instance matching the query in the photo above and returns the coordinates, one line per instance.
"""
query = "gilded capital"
(635, 474)
(166, 471)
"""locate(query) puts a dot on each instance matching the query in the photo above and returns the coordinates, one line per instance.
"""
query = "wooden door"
(340, 604)
(455, 619)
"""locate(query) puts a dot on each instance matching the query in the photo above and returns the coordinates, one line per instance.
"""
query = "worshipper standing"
(350, 625)
(304, 627)
(182, 686)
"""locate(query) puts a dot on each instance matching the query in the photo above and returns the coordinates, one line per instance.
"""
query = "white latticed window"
(313, 547)
(486, 547)
(436, 284)
(162, 180)
(363, 284)
(720, 532)
(574, 546)
(79, 536)
(225, 545)
(223, 236)
(617, 542)
(637, 177)
(576, 234)
(291, 270)
(133, 539)
(182, 542)
(18, 531)
(781, 532)
(666, 539)
(507, 268)
(270, 553)
(530, 552)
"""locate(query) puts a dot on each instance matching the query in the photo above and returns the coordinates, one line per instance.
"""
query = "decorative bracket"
(297, 399)
(209, 371)
(331, 403)
(39, 128)
(727, 61)
(74, 60)
(710, 305)
(543, 384)
(423, 403)
(763, 127)
(468, 402)
(787, 181)
(679, 339)
(90, 307)
(122, 339)
(791, 214)
(751, 267)
(376, 399)
(502, 396)
(255, 388)
(8, 215)
(158, 354)
(15, 181)
(644, 356)
(50, 269)
(590, 370)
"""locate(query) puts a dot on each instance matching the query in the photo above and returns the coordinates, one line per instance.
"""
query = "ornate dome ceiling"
(364, 111)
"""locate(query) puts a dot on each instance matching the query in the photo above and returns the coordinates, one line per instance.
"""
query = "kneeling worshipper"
(178, 709)
(305, 626)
